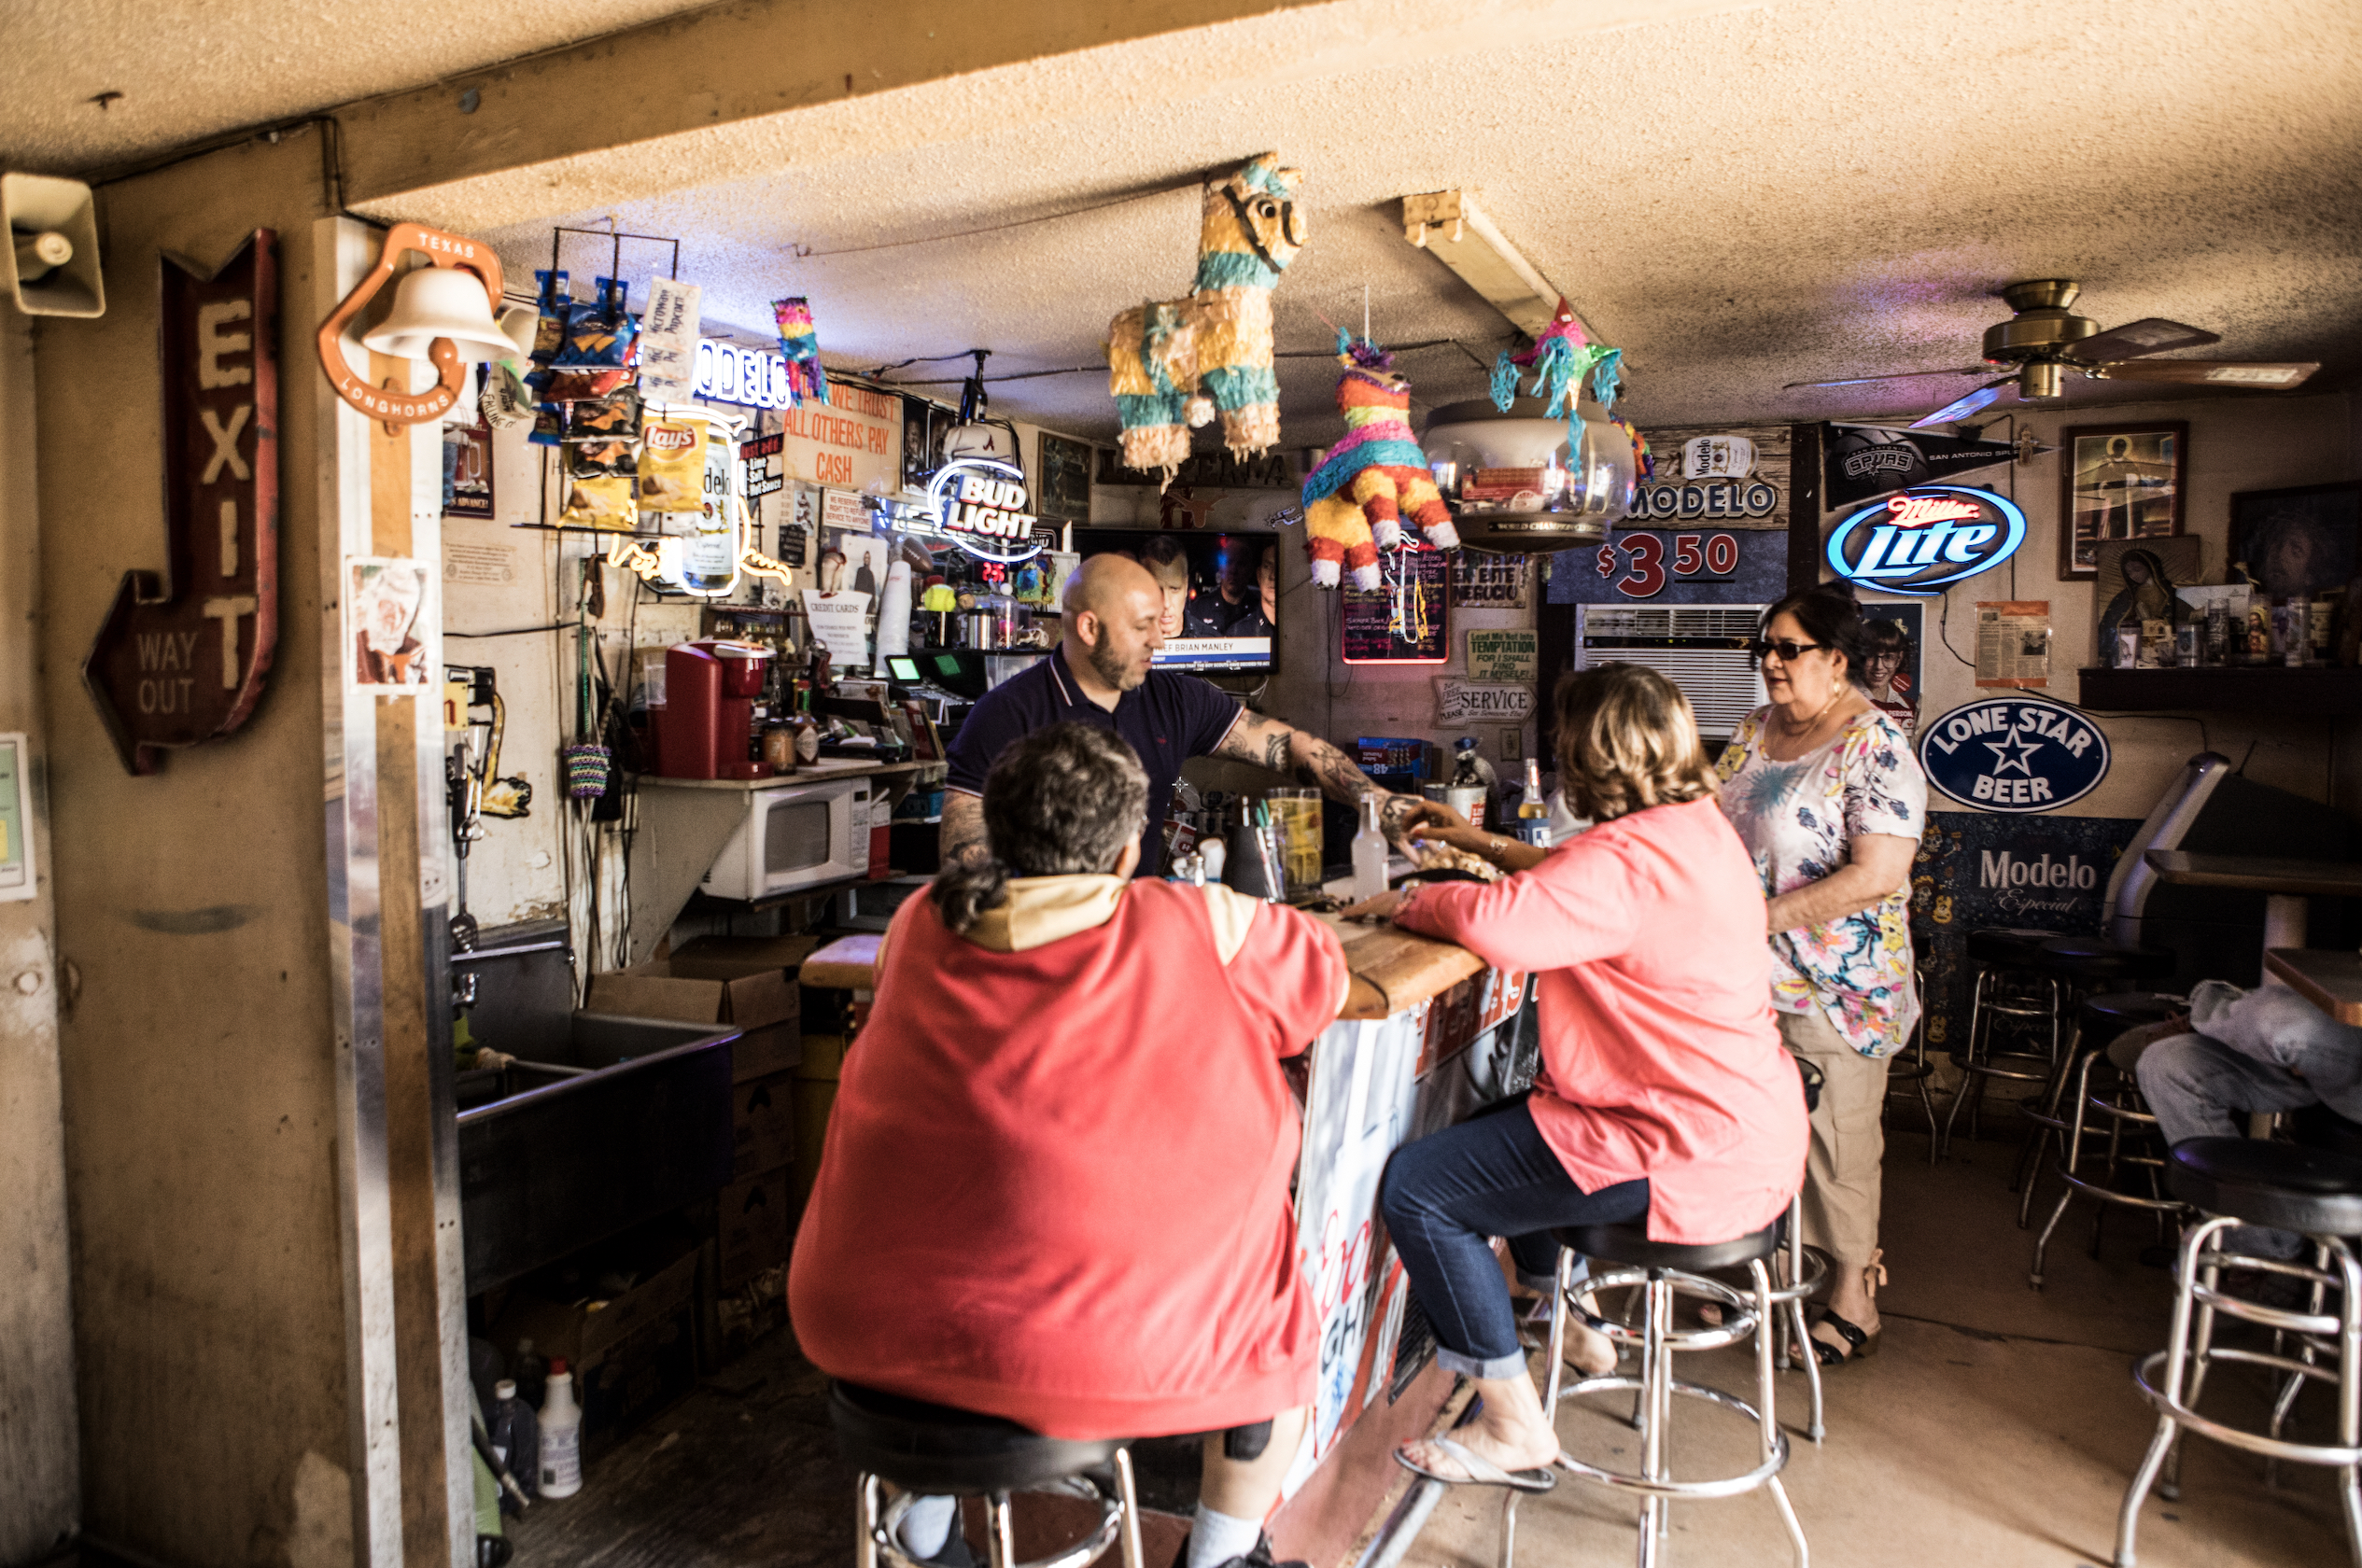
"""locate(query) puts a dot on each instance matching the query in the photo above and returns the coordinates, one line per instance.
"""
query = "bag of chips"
(672, 464)
(602, 501)
(601, 458)
(613, 418)
(556, 309)
(598, 354)
(549, 425)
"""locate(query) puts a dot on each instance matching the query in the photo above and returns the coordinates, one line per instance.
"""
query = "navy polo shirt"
(1167, 718)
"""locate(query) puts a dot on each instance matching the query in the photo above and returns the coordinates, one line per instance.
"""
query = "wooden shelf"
(2322, 690)
(2330, 980)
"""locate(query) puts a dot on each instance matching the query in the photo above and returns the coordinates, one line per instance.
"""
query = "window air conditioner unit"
(1702, 648)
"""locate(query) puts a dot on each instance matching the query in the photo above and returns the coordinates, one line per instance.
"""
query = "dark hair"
(1885, 634)
(1061, 801)
(1627, 740)
(1159, 549)
(1831, 617)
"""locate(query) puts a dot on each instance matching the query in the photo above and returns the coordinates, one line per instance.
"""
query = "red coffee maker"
(709, 723)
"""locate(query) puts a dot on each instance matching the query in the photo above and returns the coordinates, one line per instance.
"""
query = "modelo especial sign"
(1927, 538)
(2026, 754)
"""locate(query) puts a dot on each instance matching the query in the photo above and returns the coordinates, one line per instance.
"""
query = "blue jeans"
(2194, 1084)
(1492, 1175)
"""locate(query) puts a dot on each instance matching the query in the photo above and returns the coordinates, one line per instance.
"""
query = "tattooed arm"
(961, 837)
(1268, 743)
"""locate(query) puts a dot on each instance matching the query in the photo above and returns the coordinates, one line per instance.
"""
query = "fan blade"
(2208, 372)
(2136, 338)
(1962, 407)
(1898, 375)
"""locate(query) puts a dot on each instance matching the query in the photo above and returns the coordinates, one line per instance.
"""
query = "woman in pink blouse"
(1664, 1096)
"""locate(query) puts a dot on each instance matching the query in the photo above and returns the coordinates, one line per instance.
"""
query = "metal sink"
(624, 1119)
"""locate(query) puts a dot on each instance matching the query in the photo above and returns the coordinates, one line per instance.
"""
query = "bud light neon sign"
(1926, 538)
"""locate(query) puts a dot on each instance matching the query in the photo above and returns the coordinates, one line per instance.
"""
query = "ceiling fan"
(2045, 339)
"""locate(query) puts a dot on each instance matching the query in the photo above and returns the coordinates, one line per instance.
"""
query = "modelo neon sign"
(727, 373)
(982, 504)
(1926, 538)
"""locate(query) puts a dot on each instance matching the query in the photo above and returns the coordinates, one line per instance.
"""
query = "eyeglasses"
(1763, 647)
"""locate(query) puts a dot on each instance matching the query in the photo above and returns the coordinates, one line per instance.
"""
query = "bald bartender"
(1100, 675)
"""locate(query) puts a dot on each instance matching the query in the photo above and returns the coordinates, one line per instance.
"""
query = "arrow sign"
(182, 655)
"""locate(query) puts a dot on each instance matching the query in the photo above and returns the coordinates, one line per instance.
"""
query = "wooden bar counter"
(1429, 1033)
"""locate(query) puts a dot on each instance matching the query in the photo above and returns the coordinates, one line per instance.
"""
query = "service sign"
(1927, 538)
(981, 502)
(2026, 754)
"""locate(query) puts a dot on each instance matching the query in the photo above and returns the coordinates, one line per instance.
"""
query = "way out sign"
(2024, 755)
(183, 653)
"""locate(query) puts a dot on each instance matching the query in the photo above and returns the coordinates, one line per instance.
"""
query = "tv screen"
(1221, 592)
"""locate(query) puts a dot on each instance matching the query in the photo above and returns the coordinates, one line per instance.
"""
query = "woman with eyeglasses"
(1826, 795)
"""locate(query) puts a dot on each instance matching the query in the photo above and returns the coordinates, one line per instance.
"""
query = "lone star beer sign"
(182, 655)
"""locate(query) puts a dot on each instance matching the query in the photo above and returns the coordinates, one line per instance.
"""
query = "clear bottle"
(1533, 812)
(561, 1435)
(515, 1437)
(1369, 853)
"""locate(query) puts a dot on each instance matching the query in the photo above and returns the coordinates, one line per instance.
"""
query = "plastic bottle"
(1533, 812)
(515, 1436)
(1214, 855)
(1369, 853)
(561, 1435)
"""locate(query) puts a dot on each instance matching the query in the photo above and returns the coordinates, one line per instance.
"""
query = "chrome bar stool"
(2012, 982)
(923, 1448)
(2318, 1194)
(2122, 1111)
(1664, 1270)
(1910, 1065)
(2100, 1022)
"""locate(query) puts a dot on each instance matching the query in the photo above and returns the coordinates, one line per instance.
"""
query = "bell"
(441, 302)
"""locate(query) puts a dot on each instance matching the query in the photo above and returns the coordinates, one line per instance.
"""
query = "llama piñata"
(1353, 502)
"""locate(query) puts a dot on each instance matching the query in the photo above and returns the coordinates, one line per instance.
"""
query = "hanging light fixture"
(1526, 481)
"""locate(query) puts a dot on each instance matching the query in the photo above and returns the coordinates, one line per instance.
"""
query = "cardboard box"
(755, 1224)
(763, 1000)
(739, 1318)
(762, 1124)
(734, 958)
(631, 1356)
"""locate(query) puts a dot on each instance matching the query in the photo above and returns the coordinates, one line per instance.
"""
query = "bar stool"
(923, 1448)
(2318, 1194)
(1910, 1065)
(1664, 1269)
(2100, 1022)
(2123, 1110)
(2013, 981)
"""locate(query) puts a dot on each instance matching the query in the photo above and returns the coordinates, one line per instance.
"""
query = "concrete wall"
(191, 921)
(39, 1445)
(2257, 442)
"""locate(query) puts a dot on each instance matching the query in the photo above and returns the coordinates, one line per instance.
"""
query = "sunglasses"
(1788, 649)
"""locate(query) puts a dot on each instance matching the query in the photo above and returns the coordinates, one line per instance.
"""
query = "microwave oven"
(794, 836)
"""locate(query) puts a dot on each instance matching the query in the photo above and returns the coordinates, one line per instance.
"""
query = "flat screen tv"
(1221, 594)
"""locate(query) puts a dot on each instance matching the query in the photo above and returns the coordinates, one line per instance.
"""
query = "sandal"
(1480, 1471)
(1859, 1346)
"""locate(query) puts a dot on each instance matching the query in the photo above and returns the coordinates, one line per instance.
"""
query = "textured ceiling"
(1791, 192)
(187, 69)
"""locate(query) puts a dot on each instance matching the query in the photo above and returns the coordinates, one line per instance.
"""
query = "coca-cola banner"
(1861, 461)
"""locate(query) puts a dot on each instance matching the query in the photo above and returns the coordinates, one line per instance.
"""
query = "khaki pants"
(1840, 1199)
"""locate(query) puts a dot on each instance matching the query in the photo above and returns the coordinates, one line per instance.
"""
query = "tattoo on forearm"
(1275, 750)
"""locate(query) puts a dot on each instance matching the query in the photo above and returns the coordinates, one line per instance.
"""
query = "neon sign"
(752, 377)
(982, 504)
(1927, 538)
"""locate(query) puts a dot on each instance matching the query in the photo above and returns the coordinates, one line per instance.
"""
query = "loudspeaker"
(50, 265)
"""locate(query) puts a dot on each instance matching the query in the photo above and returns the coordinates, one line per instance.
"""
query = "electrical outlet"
(1512, 744)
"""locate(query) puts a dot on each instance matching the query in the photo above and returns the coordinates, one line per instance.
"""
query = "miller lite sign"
(1925, 539)
(2022, 755)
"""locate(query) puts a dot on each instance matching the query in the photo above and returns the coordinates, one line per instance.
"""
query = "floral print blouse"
(1795, 819)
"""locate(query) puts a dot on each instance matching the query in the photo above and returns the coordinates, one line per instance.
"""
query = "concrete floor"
(1995, 1426)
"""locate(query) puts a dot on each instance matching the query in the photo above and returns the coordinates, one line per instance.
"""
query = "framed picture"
(2295, 541)
(1063, 485)
(2141, 580)
(2118, 481)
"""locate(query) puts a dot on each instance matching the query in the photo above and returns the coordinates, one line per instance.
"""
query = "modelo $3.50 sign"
(2021, 755)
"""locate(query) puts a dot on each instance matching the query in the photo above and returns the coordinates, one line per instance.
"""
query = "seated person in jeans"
(1665, 1098)
(1056, 1183)
(2237, 1053)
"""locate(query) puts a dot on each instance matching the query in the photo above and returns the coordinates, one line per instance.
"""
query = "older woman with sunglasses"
(1826, 795)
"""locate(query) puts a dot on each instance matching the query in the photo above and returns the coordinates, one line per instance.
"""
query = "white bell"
(441, 302)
